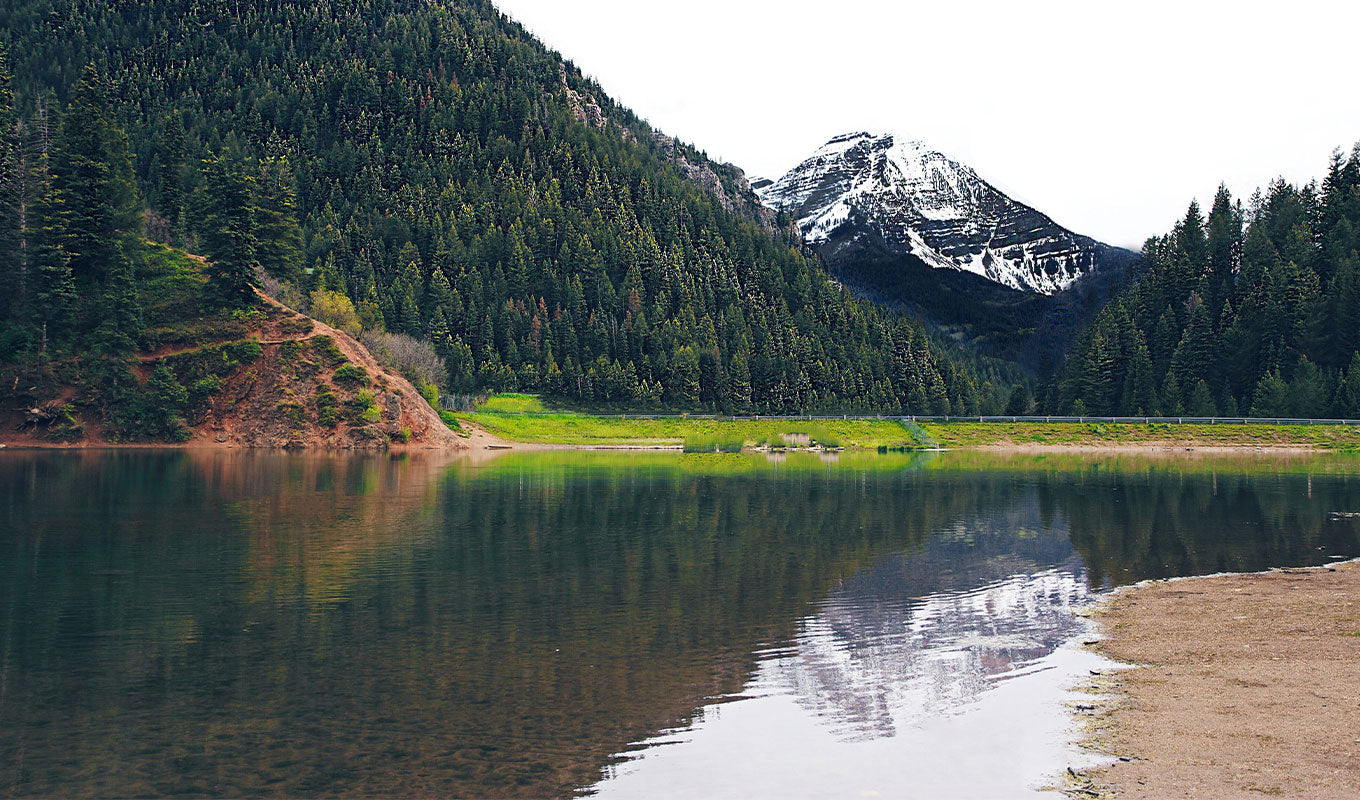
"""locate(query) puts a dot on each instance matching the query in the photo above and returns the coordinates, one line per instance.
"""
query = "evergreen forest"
(1251, 310)
(431, 170)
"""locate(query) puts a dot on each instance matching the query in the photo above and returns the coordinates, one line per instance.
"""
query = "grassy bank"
(1076, 434)
(524, 418)
(520, 418)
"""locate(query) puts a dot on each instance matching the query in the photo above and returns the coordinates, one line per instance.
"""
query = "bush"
(325, 350)
(335, 310)
(362, 409)
(351, 375)
(414, 359)
(296, 326)
(200, 391)
(213, 361)
(67, 427)
(327, 407)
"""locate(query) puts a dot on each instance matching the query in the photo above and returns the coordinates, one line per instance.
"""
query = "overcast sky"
(1108, 116)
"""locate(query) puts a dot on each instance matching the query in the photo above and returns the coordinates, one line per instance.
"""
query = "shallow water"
(177, 623)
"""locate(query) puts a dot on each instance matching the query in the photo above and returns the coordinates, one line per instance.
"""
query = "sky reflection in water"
(255, 624)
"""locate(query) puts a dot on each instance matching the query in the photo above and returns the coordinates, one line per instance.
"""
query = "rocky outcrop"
(741, 199)
(727, 183)
(583, 106)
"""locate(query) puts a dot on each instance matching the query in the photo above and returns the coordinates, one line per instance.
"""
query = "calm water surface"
(540, 624)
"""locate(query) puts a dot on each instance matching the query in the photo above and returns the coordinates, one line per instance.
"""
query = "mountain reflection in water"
(314, 625)
(912, 639)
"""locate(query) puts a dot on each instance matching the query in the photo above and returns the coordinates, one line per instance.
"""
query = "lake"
(232, 623)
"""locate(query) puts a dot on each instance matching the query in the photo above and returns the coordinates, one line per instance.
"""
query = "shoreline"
(1232, 685)
(482, 439)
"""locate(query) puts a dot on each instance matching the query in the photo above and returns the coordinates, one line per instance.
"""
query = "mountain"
(909, 227)
(444, 176)
(911, 199)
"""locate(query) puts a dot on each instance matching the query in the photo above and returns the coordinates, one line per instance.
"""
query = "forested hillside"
(1253, 310)
(454, 180)
(112, 338)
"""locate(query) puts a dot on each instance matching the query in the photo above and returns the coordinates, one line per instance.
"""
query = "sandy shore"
(1247, 686)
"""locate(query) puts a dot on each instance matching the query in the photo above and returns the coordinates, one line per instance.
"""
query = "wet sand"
(1247, 686)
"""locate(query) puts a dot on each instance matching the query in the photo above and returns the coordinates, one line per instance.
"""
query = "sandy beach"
(1244, 686)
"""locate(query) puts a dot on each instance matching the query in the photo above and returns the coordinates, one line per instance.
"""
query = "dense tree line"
(452, 184)
(70, 262)
(1251, 310)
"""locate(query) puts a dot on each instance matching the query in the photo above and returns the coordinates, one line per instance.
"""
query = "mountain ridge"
(922, 203)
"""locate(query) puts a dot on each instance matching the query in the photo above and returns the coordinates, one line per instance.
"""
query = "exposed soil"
(271, 402)
(1246, 686)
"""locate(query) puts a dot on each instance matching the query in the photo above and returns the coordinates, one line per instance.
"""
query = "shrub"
(351, 375)
(200, 391)
(296, 325)
(362, 409)
(67, 427)
(213, 361)
(327, 407)
(335, 310)
(414, 359)
(325, 350)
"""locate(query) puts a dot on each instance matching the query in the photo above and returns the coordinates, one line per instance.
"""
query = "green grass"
(512, 404)
(524, 418)
(564, 427)
(978, 434)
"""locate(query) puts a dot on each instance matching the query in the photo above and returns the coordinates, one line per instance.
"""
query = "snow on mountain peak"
(919, 201)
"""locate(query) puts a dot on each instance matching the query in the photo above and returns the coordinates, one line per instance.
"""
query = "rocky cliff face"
(897, 197)
(725, 182)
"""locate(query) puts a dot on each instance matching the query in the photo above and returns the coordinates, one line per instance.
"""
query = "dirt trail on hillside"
(1248, 686)
(415, 413)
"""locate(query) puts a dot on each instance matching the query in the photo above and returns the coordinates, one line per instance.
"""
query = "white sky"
(1107, 115)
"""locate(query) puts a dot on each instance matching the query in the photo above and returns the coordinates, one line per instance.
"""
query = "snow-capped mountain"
(908, 199)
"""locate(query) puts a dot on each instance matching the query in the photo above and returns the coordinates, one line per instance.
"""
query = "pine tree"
(1224, 246)
(1172, 404)
(14, 277)
(165, 401)
(121, 313)
(1346, 404)
(170, 173)
(54, 290)
(1201, 401)
(684, 383)
(279, 238)
(1271, 398)
(1020, 402)
(1196, 357)
(92, 174)
(1309, 395)
(228, 234)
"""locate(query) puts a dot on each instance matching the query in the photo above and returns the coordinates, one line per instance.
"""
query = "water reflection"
(313, 625)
